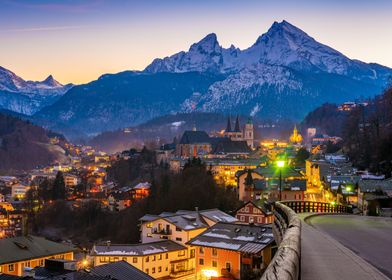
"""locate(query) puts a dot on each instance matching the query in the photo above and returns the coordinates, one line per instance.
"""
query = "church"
(238, 134)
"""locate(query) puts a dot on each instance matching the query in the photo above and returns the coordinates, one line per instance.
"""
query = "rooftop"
(142, 249)
(190, 220)
(29, 247)
(235, 237)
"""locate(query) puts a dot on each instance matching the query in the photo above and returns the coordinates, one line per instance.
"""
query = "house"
(18, 253)
(140, 191)
(375, 197)
(264, 182)
(180, 226)
(118, 201)
(252, 212)
(232, 250)
(70, 180)
(56, 269)
(19, 190)
(164, 259)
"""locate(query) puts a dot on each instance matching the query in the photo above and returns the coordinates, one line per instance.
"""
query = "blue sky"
(77, 41)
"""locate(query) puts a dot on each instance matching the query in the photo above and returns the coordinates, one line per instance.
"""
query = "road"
(368, 237)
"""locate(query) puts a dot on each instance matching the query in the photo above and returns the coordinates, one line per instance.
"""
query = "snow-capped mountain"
(284, 74)
(283, 45)
(28, 97)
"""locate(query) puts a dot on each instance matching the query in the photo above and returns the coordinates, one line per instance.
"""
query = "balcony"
(161, 231)
(181, 273)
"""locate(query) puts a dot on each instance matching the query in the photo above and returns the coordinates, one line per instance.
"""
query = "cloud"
(44, 28)
(62, 6)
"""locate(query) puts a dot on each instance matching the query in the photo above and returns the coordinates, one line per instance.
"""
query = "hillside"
(23, 145)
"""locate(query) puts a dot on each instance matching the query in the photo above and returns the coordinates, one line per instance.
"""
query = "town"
(308, 171)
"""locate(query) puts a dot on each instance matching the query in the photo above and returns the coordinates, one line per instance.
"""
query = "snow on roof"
(137, 249)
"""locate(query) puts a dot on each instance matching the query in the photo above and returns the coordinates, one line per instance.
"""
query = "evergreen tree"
(58, 189)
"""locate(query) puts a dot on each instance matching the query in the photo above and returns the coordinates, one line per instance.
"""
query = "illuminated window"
(11, 267)
(134, 260)
(181, 253)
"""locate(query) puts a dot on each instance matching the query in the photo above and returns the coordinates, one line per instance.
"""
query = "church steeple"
(228, 127)
(237, 125)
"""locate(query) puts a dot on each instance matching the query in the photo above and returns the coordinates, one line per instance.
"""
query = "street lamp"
(280, 165)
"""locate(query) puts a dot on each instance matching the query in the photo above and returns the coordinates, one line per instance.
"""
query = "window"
(41, 262)
(201, 261)
(201, 250)
(192, 253)
(160, 257)
(214, 252)
(178, 229)
(149, 225)
(27, 264)
(124, 259)
(242, 218)
(153, 270)
(11, 267)
(246, 209)
(147, 271)
(181, 253)
(228, 266)
(178, 239)
(134, 260)
(153, 258)
(160, 269)
(147, 259)
(259, 219)
(149, 235)
(167, 255)
(214, 264)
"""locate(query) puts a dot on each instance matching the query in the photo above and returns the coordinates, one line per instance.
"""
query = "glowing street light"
(280, 164)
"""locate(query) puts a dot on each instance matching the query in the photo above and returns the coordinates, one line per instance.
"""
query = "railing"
(287, 233)
(179, 273)
(316, 207)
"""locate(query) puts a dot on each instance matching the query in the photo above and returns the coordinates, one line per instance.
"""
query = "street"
(368, 237)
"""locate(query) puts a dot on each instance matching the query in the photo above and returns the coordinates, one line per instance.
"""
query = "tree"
(58, 189)
(301, 156)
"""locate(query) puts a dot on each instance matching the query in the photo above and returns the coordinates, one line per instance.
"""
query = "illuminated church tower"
(295, 138)
(248, 133)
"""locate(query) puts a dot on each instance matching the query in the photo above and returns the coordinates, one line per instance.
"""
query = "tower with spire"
(238, 134)
(295, 137)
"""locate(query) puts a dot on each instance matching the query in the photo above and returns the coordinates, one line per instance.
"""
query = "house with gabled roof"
(231, 250)
(164, 259)
(253, 212)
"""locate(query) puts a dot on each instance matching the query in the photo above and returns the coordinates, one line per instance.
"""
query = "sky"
(77, 41)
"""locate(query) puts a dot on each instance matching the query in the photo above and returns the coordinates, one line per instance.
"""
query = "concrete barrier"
(287, 232)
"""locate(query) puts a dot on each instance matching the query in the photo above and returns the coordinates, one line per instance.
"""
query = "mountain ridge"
(285, 74)
(28, 97)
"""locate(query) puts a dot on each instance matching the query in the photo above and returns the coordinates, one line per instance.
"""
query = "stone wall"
(287, 233)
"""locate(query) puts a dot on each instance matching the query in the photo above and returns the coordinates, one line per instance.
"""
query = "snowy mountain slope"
(28, 97)
(283, 45)
(284, 75)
